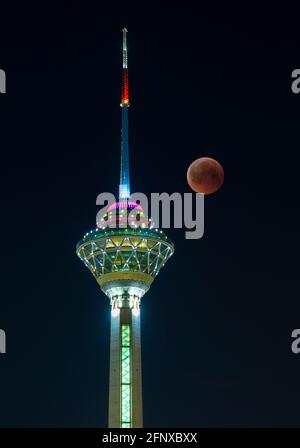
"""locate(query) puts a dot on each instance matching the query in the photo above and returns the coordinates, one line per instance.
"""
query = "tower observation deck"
(124, 261)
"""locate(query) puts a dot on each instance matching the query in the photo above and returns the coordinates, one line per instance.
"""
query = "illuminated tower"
(125, 259)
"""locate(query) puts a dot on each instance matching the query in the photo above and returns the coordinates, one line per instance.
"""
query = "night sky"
(217, 322)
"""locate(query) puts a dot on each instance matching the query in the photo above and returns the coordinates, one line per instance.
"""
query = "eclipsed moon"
(205, 175)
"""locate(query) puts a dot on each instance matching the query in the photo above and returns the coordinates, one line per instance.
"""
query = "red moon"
(205, 175)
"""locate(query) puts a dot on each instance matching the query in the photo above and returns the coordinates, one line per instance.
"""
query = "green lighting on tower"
(125, 376)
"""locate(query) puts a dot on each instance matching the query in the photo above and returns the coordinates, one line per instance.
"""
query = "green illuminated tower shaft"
(125, 380)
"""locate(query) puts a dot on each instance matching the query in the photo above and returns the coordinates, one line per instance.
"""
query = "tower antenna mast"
(124, 186)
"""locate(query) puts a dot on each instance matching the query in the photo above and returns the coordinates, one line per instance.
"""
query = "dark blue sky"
(216, 324)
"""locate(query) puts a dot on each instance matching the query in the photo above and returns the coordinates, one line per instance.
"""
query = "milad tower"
(125, 259)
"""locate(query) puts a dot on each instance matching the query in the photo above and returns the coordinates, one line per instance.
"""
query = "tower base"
(125, 377)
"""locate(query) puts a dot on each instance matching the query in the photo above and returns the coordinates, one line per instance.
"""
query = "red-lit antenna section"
(125, 86)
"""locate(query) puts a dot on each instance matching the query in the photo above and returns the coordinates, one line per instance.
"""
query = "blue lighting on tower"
(124, 188)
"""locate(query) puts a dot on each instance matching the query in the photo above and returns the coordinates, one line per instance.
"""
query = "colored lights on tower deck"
(124, 204)
(123, 214)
